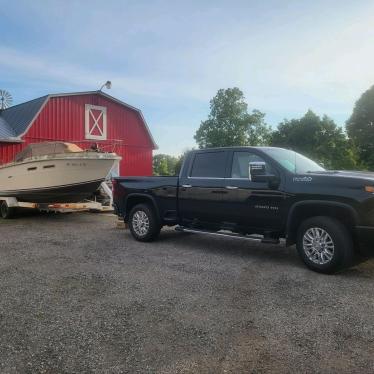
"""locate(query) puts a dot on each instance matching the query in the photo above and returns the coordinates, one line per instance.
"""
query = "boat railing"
(109, 146)
(104, 147)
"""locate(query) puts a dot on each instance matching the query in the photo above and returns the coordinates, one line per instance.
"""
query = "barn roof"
(15, 121)
(6, 131)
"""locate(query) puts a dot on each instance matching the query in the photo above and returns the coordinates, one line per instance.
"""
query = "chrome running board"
(256, 238)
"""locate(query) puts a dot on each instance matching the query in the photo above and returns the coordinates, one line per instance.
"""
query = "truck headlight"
(369, 189)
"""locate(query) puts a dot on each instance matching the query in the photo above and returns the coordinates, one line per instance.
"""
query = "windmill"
(5, 99)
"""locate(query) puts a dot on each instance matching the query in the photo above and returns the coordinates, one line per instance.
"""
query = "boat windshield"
(46, 148)
(292, 161)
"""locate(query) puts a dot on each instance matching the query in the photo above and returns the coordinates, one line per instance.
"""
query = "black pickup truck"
(261, 193)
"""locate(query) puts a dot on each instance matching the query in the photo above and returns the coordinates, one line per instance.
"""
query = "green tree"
(318, 138)
(360, 127)
(230, 124)
(180, 160)
(164, 164)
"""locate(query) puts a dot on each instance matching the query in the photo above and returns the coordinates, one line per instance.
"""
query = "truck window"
(209, 165)
(240, 164)
(292, 161)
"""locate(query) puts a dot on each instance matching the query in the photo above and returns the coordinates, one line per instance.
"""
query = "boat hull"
(59, 194)
(68, 178)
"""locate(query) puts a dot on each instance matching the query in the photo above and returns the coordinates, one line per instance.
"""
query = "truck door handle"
(186, 186)
(232, 187)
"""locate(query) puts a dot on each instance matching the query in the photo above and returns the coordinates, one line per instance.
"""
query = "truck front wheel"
(324, 244)
(144, 223)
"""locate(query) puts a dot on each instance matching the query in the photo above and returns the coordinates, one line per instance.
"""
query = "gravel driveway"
(80, 295)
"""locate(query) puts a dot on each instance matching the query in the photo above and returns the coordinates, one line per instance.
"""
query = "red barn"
(83, 118)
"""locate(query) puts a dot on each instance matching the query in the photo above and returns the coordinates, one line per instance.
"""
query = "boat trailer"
(8, 205)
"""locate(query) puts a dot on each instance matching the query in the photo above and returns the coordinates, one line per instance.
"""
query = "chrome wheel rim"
(140, 223)
(318, 245)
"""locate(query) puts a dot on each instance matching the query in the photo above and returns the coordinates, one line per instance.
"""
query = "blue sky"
(169, 58)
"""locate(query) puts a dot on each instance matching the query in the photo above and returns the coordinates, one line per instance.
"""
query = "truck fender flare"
(306, 203)
(146, 197)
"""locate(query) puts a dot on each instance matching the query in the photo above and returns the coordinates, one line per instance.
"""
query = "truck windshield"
(292, 161)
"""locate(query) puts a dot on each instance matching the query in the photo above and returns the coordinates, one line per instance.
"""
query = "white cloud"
(77, 76)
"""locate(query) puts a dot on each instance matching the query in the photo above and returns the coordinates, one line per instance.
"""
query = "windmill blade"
(6, 99)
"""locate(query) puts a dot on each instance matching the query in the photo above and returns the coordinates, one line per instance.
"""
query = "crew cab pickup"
(260, 193)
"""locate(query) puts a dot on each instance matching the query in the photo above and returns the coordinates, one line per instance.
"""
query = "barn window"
(95, 122)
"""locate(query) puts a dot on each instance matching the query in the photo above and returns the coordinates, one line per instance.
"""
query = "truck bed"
(148, 182)
(162, 190)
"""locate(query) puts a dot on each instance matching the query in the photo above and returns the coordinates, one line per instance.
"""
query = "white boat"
(53, 172)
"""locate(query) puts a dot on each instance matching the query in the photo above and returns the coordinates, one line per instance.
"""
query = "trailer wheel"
(5, 211)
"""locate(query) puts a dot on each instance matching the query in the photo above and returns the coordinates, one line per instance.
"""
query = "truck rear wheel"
(324, 244)
(5, 211)
(144, 223)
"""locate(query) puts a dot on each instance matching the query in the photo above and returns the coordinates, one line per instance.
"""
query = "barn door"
(95, 122)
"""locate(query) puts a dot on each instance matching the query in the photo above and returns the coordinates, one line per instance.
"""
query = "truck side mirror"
(256, 169)
(257, 173)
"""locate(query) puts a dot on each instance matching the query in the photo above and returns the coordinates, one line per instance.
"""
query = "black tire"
(5, 211)
(151, 230)
(337, 258)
